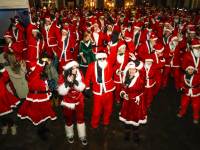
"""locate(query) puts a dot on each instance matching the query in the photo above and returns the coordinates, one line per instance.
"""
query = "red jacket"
(141, 39)
(194, 82)
(99, 44)
(101, 25)
(71, 95)
(144, 51)
(107, 74)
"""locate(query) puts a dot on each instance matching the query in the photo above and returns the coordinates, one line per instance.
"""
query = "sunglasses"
(101, 59)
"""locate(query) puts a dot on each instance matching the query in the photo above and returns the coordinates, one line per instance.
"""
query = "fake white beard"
(175, 20)
(147, 66)
(63, 38)
(196, 52)
(109, 32)
(102, 64)
(47, 27)
(14, 27)
(135, 32)
(129, 29)
(181, 26)
(175, 43)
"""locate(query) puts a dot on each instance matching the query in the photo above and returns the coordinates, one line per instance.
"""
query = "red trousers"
(158, 77)
(176, 74)
(117, 91)
(69, 114)
(195, 105)
(105, 102)
(148, 95)
(76, 51)
(49, 50)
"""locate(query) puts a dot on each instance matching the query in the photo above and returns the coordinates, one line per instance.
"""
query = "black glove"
(183, 91)
(72, 49)
(59, 22)
(111, 20)
(67, 83)
(52, 16)
(43, 55)
(75, 83)
(114, 37)
(105, 43)
(12, 21)
(130, 24)
(1, 66)
(137, 62)
(86, 93)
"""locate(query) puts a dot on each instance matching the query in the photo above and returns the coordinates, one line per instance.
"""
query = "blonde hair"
(85, 36)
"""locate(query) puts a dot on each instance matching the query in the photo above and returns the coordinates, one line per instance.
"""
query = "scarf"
(52, 72)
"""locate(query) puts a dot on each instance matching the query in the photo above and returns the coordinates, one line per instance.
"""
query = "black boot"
(127, 136)
(136, 137)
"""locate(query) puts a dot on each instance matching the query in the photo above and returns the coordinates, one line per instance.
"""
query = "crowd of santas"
(135, 51)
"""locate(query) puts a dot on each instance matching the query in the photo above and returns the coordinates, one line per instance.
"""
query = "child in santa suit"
(7, 101)
(150, 68)
(71, 84)
(37, 106)
(190, 88)
(120, 64)
(133, 110)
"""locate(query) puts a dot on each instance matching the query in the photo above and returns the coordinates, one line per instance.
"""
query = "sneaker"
(118, 103)
(71, 139)
(107, 127)
(13, 130)
(84, 141)
(5, 129)
(179, 115)
(195, 121)
(95, 130)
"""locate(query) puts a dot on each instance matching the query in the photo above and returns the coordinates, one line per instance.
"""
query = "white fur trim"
(121, 93)
(160, 50)
(192, 32)
(5, 113)
(163, 60)
(111, 44)
(128, 40)
(2, 70)
(132, 122)
(70, 64)
(63, 30)
(136, 27)
(62, 90)
(101, 55)
(149, 60)
(35, 30)
(195, 45)
(39, 100)
(121, 46)
(9, 45)
(69, 131)
(189, 67)
(68, 105)
(40, 64)
(140, 66)
(81, 128)
(174, 38)
(80, 87)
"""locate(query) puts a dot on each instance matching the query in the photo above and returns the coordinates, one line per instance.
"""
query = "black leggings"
(128, 127)
(54, 94)
(41, 126)
(6, 119)
(84, 70)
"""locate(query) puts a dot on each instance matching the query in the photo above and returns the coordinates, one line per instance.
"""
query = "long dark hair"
(128, 80)
(68, 72)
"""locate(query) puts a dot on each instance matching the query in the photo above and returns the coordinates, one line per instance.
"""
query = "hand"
(43, 55)
(119, 72)
(84, 60)
(72, 49)
(86, 93)
(114, 37)
(70, 78)
(22, 63)
(160, 54)
(178, 35)
(125, 97)
(132, 56)
(170, 26)
(171, 50)
(75, 83)
(54, 52)
(182, 90)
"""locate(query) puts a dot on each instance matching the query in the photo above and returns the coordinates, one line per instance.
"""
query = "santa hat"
(65, 29)
(101, 15)
(150, 29)
(48, 18)
(167, 22)
(168, 29)
(158, 47)
(120, 44)
(145, 20)
(16, 19)
(70, 64)
(109, 25)
(160, 22)
(130, 65)
(149, 58)
(153, 36)
(93, 20)
(137, 25)
(173, 37)
(189, 67)
(64, 20)
(101, 54)
(190, 24)
(7, 34)
(192, 30)
(195, 43)
(35, 29)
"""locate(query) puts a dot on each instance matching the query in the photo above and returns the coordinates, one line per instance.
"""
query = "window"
(90, 3)
(49, 3)
(129, 3)
(70, 4)
(109, 4)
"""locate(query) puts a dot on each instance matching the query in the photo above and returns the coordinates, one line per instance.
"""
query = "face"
(74, 70)
(34, 33)
(132, 71)
(88, 37)
(47, 22)
(149, 62)
(57, 15)
(196, 48)
(122, 49)
(101, 17)
(167, 32)
(192, 35)
(153, 42)
(8, 39)
(159, 53)
(109, 28)
(190, 70)
(96, 27)
(101, 59)
(64, 33)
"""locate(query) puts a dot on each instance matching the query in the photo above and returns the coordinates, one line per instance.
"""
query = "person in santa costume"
(37, 106)
(191, 58)
(133, 112)
(71, 85)
(66, 45)
(190, 38)
(35, 44)
(100, 73)
(108, 32)
(166, 37)
(101, 22)
(7, 102)
(12, 46)
(150, 69)
(147, 47)
(190, 91)
(120, 64)
(48, 32)
(86, 52)
(18, 33)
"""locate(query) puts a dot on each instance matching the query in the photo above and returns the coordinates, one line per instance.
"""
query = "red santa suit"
(34, 47)
(7, 100)
(120, 65)
(77, 34)
(13, 47)
(172, 63)
(49, 35)
(98, 38)
(37, 107)
(64, 44)
(150, 79)
(192, 92)
(108, 39)
(19, 36)
(73, 99)
(101, 23)
(102, 90)
(134, 110)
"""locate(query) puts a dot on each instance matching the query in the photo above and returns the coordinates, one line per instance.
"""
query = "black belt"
(38, 92)
(189, 87)
(96, 46)
(150, 77)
